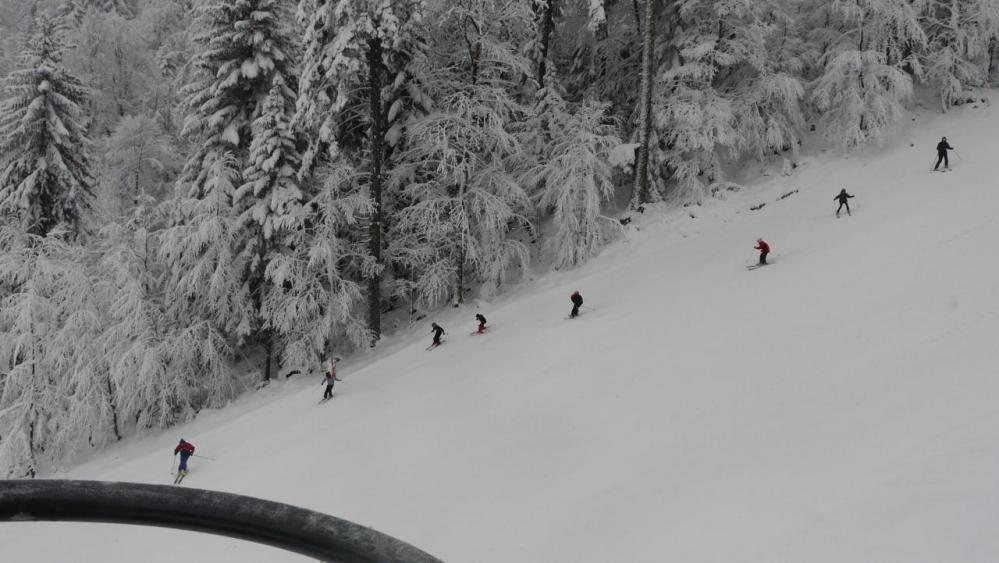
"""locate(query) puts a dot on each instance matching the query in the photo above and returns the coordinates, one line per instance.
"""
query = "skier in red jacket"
(186, 450)
(329, 379)
(764, 249)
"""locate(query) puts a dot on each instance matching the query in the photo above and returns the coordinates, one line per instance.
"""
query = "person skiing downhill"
(438, 332)
(942, 147)
(764, 249)
(186, 450)
(577, 302)
(329, 379)
(482, 323)
(843, 198)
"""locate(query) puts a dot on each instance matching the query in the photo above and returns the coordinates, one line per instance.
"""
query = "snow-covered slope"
(838, 406)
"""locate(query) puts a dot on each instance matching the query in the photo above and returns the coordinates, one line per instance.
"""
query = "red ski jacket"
(763, 246)
(184, 447)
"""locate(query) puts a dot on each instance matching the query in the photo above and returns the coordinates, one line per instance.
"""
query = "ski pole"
(958, 155)
(203, 457)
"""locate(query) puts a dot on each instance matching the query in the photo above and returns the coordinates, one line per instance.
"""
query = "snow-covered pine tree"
(110, 57)
(316, 305)
(92, 418)
(863, 84)
(6, 64)
(602, 44)
(960, 38)
(769, 105)
(49, 322)
(271, 194)
(138, 161)
(768, 114)
(464, 201)
(351, 46)
(575, 181)
(45, 175)
(271, 201)
(546, 13)
(168, 29)
(597, 15)
(243, 45)
(726, 91)
(246, 50)
(124, 8)
(75, 10)
(207, 274)
(459, 176)
(406, 97)
(163, 368)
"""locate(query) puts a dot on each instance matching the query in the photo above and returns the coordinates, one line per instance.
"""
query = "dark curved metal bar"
(279, 525)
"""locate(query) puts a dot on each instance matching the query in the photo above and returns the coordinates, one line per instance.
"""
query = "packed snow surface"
(837, 406)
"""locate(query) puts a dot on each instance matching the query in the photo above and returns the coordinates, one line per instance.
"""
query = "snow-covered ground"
(838, 406)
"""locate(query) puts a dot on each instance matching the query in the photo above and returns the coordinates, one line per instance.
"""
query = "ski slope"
(837, 406)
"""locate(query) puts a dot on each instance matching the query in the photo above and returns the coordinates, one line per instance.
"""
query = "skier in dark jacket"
(438, 332)
(577, 302)
(482, 323)
(330, 379)
(842, 199)
(764, 249)
(186, 450)
(942, 147)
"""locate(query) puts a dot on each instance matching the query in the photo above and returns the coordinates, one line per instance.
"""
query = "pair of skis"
(580, 313)
(473, 333)
(181, 473)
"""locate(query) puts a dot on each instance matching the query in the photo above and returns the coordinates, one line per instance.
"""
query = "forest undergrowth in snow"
(201, 196)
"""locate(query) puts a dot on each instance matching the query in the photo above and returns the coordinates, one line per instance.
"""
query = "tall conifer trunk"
(643, 193)
(375, 226)
(547, 25)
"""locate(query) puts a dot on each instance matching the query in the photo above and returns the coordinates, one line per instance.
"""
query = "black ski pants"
(763, 256)
(329, 391)
(840, 208)
(942, 157)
